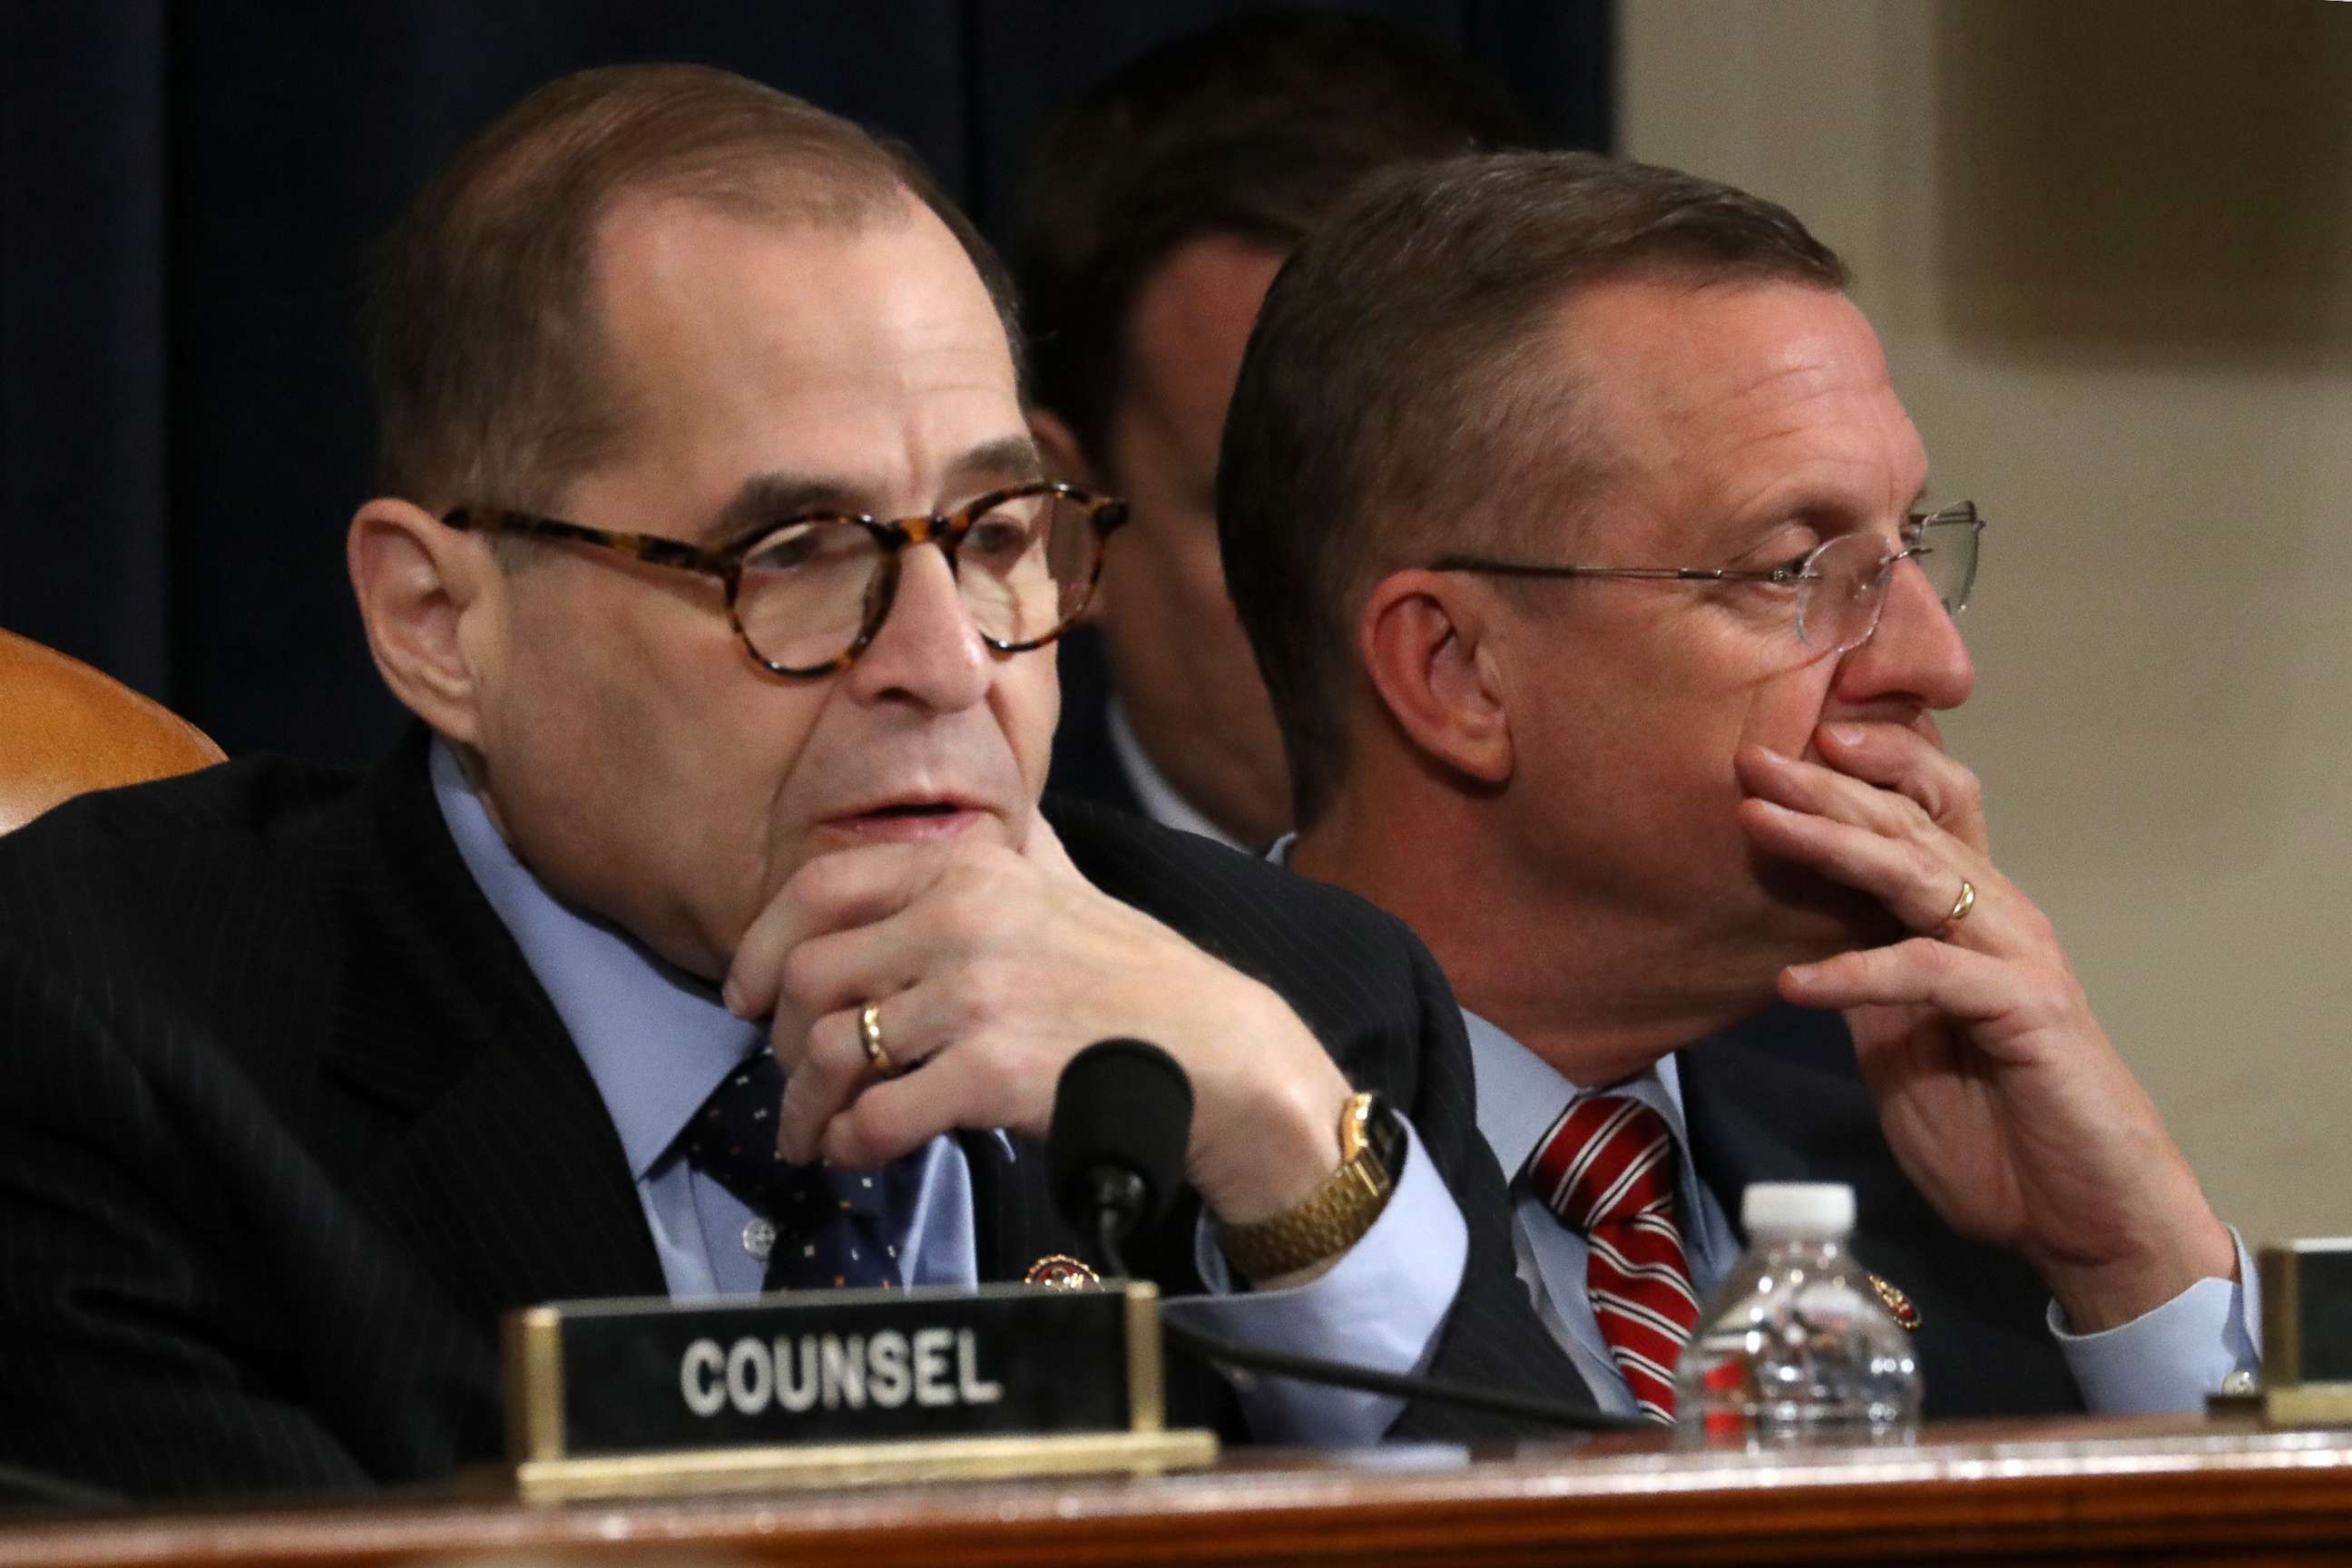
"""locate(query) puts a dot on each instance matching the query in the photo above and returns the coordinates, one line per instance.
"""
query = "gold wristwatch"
(1336, 1215)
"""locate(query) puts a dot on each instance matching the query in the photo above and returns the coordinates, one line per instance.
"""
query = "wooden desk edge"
(2151, 1487)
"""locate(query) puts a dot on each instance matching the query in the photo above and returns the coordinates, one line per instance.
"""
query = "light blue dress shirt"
(658, 1041)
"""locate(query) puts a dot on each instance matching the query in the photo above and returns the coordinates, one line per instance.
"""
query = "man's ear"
(1421, 637)
(416, 580)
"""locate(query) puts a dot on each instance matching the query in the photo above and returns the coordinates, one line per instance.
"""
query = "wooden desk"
(2080, 1491)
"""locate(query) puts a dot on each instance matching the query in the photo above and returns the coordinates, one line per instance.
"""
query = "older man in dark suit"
(715, 561)
(1580, 536)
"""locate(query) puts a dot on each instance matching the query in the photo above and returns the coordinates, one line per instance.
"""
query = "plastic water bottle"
(1796, 1347)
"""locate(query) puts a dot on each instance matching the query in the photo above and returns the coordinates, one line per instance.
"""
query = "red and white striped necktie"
(1606, 1170)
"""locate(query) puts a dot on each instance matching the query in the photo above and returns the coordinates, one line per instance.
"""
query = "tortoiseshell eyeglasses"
(808, 594)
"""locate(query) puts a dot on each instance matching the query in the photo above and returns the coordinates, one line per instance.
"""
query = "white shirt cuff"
(2166, 1360)
(1380, 1306)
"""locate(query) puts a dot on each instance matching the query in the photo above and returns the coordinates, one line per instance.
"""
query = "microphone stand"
(1446, 1391)
(1119, 1200)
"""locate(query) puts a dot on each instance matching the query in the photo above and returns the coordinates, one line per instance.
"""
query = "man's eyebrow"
(774, 498)
(766, 498)
(1808, 502)
(1008, 459)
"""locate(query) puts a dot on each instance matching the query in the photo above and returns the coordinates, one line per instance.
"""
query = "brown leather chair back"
(65, 728)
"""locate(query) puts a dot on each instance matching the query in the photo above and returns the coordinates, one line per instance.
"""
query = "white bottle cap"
(1797, 1208)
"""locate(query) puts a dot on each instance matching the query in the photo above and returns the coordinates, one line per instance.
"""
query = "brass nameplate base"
(866, 1464)
(608, 1399)
(2309, 1404)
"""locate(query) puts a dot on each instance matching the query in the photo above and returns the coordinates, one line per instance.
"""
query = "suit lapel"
(507, 1179)
(520, 1190)
(1767, 1101)
(1780, 1100)
(1013, 1212)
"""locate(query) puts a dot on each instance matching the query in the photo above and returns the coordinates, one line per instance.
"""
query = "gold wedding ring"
(1961, 905)
(869, 1035)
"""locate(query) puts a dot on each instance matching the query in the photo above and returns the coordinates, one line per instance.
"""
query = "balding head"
(482, 325)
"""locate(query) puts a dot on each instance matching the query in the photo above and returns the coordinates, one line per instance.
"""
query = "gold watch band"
(1334, 1217)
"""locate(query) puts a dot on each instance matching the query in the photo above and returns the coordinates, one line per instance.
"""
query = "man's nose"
(1915, 653)
(926, 649)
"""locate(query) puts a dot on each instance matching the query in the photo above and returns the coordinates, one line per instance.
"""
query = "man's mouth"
(929, 817)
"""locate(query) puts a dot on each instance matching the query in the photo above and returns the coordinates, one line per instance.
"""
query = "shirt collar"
(656, 1040)
(1521, 1096)
(1153, 793)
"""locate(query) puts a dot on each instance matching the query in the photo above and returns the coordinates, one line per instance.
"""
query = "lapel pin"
(1059, 1271)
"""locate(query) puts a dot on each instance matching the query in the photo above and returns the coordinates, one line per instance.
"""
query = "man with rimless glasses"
(706, 936)
(1585, 547)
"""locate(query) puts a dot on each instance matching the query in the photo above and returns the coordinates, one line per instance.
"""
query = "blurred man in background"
(1159, 209)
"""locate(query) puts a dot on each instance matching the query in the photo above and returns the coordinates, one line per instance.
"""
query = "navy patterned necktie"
(832, 1227)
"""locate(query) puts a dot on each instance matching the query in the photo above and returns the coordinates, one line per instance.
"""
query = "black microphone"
(1122, 1117)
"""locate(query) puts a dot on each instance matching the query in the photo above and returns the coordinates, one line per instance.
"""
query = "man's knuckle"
(989, 858)
(818, 882)
(972, 870)
(800, 978)
(1912, 819)
(837, 1053)
(874, 1122)
(802, 1112)
(968, 1006)
(965, 912)
(999, 1071)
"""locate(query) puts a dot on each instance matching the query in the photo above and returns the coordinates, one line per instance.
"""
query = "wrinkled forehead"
(866, 352)
(1713, 404)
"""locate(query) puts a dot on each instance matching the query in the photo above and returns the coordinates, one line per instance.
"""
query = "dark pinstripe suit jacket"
(286, 1123)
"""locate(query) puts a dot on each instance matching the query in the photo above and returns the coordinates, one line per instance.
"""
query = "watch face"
(1355, 1126)
(1384, 1130)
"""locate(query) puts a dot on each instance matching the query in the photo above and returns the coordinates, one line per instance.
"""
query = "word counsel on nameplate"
(932, 1367)
(608, 1397)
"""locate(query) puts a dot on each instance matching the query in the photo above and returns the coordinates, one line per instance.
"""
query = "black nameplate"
(589, 1379)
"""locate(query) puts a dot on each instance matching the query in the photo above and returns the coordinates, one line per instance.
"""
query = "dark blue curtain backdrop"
(185, 189)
